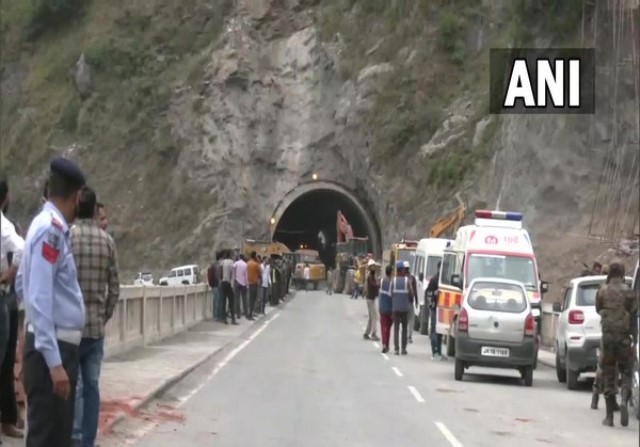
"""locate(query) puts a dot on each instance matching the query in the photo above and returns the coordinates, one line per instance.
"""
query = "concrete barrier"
(147, 314)
(549, 324)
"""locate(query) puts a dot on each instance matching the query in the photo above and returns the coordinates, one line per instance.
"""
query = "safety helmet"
(406, 265)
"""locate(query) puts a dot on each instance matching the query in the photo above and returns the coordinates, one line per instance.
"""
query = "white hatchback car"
(496, 328)
(578, 330)
(143, 279)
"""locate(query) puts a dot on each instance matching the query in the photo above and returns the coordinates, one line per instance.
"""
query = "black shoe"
(624, 412)
(235, 323)
(594, 400)
(366, 337)
(397, 352)
(404, 352)
(385, 350)
(608, 420)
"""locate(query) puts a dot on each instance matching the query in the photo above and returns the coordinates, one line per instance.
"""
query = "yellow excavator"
(449, 222)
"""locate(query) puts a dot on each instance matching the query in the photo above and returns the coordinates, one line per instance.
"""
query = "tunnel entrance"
(306, 218)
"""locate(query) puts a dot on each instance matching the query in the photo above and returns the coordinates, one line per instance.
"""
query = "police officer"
(54, 312)
(618, 308)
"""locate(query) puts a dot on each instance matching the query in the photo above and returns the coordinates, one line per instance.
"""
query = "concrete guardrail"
(147, 314)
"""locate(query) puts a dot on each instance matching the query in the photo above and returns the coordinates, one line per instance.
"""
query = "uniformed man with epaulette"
(54, 311)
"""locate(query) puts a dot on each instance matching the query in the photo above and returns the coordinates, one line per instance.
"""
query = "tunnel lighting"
(314, 176)
(273, 221)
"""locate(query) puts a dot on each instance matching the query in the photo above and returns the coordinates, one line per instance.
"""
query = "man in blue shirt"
(47, 282)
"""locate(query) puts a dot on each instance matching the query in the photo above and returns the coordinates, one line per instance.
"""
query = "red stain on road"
(110, 410)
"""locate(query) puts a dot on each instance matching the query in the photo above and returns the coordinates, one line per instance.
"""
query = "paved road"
(307, 378)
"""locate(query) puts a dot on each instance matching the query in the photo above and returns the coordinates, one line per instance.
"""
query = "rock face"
(272, 108)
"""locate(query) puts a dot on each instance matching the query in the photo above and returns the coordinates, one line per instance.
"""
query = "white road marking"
(375, 343)
(447, 434)
(397, 371)
(145, 429)
(385, 356)
(416, 394)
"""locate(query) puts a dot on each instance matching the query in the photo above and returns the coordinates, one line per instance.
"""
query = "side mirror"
(456, 281)
(421, 277)
(557, 307)
(544, 286)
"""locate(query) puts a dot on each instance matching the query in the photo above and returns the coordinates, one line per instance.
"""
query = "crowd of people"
(64, 271)
(243, 287)
(616, 303)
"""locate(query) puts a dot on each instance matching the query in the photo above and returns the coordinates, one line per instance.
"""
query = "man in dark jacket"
(432, 300)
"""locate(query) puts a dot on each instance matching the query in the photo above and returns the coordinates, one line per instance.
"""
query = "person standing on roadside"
(240, 287)
(226, 266)
(371, 293)
(414, 301)
(213, 281)
(11, 248)
(265, 284)
(385, 306)
(96, 260)
(617, 305)
(47, 283)
(401, 298)
(101, 216)
(432, 301)
(253, 279)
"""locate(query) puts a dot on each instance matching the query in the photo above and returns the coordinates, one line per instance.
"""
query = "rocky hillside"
(193, 115)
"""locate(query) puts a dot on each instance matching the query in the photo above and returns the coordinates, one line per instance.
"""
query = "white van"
(425, 264)
(185, 275)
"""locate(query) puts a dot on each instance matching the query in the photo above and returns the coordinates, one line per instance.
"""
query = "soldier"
(54, 311)
(617, 307)
(598, 383)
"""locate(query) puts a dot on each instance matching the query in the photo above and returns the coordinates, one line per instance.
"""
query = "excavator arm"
(343, 229)
(450, 221)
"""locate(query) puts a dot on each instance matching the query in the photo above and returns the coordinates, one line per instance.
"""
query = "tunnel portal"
(306, 218)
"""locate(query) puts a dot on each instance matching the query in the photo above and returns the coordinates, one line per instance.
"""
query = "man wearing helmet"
(402, 295)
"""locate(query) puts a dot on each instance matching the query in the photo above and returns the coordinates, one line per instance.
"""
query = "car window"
(146, 276)
(173, 273)
(497, 297)
(566, 298)
(432, 266)
(586, 294)
(449, 262)
(180, 272)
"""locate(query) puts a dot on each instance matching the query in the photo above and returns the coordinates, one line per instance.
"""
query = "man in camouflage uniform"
(598, 383)
(617, 306)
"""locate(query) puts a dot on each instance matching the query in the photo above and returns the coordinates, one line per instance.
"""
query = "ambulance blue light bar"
(501, 215)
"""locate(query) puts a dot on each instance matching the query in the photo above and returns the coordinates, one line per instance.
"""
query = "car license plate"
(495, 352)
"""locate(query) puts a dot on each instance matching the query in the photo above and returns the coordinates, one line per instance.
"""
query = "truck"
(317, 269)
(400, 251)
(264, 248)
(495, 246)
(348, 248)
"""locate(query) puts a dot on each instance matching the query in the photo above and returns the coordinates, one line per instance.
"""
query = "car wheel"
(560, 371)
(572, 376)
(458, 370)
(527, 375)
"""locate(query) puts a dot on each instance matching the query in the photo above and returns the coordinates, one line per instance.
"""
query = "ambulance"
(495, 246)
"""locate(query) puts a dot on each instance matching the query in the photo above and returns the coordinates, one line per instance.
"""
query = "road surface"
(307, 378)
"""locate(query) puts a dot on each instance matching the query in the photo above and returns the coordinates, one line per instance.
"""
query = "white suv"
(185, 275)
(578, 330)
